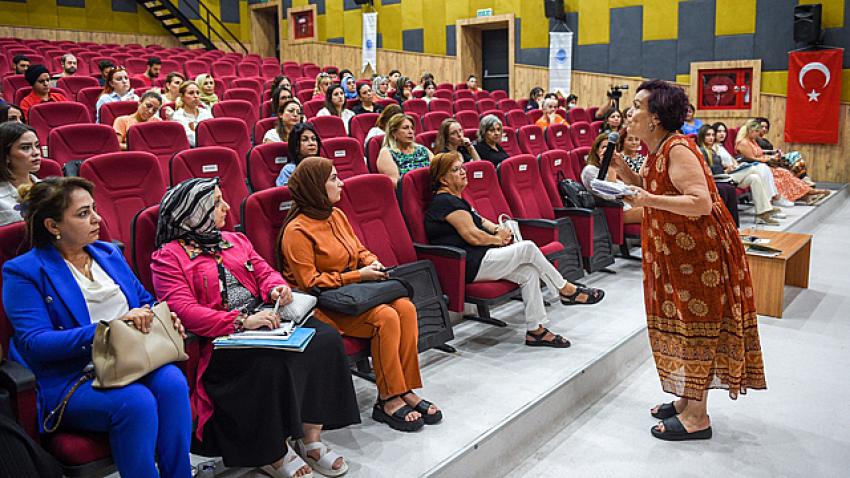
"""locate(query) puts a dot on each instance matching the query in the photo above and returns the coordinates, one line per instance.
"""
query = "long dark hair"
(10, 132)
(294, 143)
(329, 104)
(48, 199)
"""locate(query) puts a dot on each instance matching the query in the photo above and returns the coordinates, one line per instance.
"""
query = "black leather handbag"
(574, 194)
(354, 299)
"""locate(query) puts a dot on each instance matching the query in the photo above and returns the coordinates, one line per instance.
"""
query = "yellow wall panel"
(534, 26)
(456, 10)
(71, 18)
(775, 82)
(845, 85)
(334, 26)
(434, 28)
(300, 3)
(412, 12)
(353, 27)
(683, 79)
(15, 14)
(735, 17)
(660, 20)
(833, 12)
(44, 13)
(625, 3)
(123, 22)
(389, 25)
(594, 22)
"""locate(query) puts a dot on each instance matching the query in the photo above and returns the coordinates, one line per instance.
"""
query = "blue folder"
(296, 342)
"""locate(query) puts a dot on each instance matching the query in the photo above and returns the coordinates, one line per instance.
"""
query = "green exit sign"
(484, 12)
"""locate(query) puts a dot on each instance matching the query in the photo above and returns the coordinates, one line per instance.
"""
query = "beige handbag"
(122, 354)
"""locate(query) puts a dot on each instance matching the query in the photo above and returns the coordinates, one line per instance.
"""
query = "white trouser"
(766, 178)
(749, 178)
(524, 264)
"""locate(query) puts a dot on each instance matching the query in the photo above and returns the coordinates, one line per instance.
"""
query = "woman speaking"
(698, 293)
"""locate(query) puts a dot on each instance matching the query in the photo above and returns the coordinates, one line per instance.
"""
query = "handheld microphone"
(613, 137)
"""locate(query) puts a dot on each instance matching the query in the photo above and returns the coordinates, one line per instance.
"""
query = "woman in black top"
(366, 105)
(535, 99)
(491, 253)
(488, 138)
(450, 138)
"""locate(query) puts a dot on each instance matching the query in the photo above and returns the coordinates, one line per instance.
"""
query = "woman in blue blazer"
(55, 295)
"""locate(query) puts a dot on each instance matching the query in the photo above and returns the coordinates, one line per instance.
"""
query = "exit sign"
(484, 12)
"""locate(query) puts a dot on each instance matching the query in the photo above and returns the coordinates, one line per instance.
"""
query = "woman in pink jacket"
(247, 402)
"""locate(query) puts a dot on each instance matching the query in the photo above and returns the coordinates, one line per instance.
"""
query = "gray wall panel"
(533, 56)
(339, 40)
(320, 6)
(451, 40)
(591, 58)
(774, 35)
(413, 40)
(229, 11)
(129, 6)
(625, 44)
(658, 59)
(733, 47)
(696, 34)
(71, 3)
(185, 7)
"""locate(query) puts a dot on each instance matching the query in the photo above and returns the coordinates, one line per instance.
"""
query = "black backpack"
(574, 194)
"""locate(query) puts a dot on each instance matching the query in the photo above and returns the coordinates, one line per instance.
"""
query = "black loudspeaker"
(807, 24)
(555, 9)
(363, 2)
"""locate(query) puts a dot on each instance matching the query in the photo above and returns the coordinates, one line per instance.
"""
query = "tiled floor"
(798, 427)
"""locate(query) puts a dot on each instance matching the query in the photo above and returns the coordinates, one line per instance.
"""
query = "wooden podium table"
(771, 274)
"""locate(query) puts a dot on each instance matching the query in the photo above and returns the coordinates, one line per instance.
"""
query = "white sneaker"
(782, 202)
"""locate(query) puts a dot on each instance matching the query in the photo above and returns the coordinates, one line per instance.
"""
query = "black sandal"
(675, 431)
(666, 410)
(593, 296)
(557, 342)
(396, 421)
(422, 407)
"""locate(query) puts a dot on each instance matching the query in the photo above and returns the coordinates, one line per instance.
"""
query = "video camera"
(616, 91)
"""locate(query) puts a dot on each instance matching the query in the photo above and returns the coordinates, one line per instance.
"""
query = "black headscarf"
(33, 72)
(187, 212)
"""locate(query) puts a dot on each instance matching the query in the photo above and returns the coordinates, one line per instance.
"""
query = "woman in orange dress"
(698, 292)
(790, 187)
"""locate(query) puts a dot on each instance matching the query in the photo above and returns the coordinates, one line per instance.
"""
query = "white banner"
(370, 41)
(560, 61)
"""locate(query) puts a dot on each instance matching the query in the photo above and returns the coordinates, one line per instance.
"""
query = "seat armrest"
(443, 251)
(20, 382)
(16, 378)
(542, 223)
(572, 211)
(450, 263)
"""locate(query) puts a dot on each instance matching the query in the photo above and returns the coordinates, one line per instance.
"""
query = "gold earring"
(652, 127)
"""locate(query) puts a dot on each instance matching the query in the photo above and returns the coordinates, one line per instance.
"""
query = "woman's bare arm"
(463, 224)
(687, 176)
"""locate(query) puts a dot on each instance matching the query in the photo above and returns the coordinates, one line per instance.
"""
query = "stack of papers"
(609, 188)
(296, 341)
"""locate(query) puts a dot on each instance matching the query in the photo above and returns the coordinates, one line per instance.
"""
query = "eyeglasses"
(457, 169)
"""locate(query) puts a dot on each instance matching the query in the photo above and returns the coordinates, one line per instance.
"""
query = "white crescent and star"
(814, 66)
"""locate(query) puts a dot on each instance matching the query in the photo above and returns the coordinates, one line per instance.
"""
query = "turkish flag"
(814, 96)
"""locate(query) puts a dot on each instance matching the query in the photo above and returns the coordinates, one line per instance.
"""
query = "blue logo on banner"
(561, 55)
(368, 44)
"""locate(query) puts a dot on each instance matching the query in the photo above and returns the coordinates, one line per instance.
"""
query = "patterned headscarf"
(376, 87)
(187, 212)
(207, 99)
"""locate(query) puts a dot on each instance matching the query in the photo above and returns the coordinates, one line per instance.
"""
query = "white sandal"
(327, 457)
(291, 464)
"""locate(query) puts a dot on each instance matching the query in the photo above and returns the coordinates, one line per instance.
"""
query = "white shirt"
(726, 159)
(346, 116)
(375, 131)
(104, 299)
(186, 119)
(9, 198)
(109, 98)
(271, 136)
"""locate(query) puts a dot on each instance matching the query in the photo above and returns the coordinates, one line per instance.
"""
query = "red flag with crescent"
(814, 96)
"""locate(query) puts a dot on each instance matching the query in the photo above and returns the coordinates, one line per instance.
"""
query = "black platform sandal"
(557, 342)
(422, 407)
(665, 410)
(675, 431)
(593, 296)
(396, 421)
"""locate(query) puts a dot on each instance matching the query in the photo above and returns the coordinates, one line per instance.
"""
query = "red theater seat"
(581, 133)
(328, 127)
(210, 162)
(416, 105)
(372, 149)
(228, 132)
(516, 119)
(427, 139)
(261, 127)
(440, 104)
(509, 141)
(264, 164)
(73, 84)
(432, 120)
(240, 109)
(468, 119)
(486, 104)
(44, 117)
(125, 183)
(531, 140)
(558, 137)
(246, 94)
(78, 142)
(110, 111)
(161, 138)
(508, 104)
(360, 125)
(347, 156)
(464, 104)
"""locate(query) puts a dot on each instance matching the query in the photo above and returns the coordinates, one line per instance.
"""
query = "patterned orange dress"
(789, 186)
(698, 293)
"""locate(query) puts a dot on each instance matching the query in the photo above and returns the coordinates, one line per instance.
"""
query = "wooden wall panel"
(89, 36)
